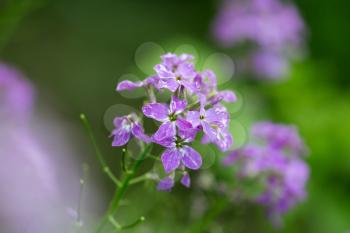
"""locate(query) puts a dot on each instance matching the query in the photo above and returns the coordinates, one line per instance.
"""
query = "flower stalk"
(120, 191)
(98, 153)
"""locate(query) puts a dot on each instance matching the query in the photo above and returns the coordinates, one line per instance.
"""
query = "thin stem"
(150, 92)
(147, 176)
(81, 191)
(123, 160)
(120, 192)
(190, 106)
(114, 222)
(98, 153)
(137, 222)
(154, 157)
(131, 225)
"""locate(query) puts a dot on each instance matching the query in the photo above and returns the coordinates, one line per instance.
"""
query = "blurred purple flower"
(38, 175)
(279, 136)
(260, 21)
(269, 64)
(263, 23)
(16, 93)
(273, 158)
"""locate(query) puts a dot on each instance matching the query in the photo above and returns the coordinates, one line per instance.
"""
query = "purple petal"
(166, 142)
(121, 137)
(217, 115)
(171, 159)
(231, 158)
(138, 131)
(152, 81)
(186, 131)
(156, 111)
(193, 118)
(224, 140)
(165, 184)
(185, 57)
(128, 85)
(209, 78)
(183, 124)
(169, 83)
(119, 121)
(205, 139)
(163, 71)
(186, 71)
(189, 85)
(228, 96)
(186, 180)
(177, 106)
(166, 130)
(209, 131)
(191, 158)
(169, 60)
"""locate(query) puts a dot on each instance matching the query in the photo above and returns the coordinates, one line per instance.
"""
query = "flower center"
(172, 117)
(179, 142)
(201, 117)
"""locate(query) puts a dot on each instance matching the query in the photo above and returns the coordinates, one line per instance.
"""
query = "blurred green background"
(76, 51)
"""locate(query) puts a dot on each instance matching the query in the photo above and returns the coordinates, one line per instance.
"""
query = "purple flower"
(262, 23)
(205, 84)
(125, 127)
(169, 116)
(214, 123)
(16, 93)
(268, 160)
(285, 189)
(182, 118)
(270, 64)
(129, 85)
(175, 71)
(178, 152)
(186, 180)
(279, 136)
(166, 184)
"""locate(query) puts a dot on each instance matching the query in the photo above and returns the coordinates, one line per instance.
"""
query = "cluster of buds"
(194, 110)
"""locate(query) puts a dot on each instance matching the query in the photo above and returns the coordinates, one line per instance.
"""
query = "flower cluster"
(274, 158)
(194, 108)
(262, 22)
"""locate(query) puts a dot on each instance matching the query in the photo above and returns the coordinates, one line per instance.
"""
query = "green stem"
(202, 223)
(137, 222)
(119, 193)
(98, 153)
(141, 178)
